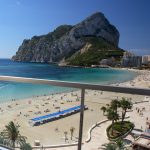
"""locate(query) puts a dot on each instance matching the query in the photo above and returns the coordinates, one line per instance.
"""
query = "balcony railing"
(83, 87)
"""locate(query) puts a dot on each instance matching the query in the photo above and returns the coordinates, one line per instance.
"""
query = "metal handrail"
(109, 88)
(83, 87)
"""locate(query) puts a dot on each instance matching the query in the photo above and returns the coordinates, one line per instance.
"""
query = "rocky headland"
(83, 44)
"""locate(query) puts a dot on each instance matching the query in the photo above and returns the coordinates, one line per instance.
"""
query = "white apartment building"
(146, 59)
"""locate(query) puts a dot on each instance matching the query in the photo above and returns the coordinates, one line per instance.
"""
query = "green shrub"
(26, 146)
(99, 50)
(119, 129)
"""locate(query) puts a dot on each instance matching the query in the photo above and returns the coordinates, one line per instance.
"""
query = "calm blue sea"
(10, 90)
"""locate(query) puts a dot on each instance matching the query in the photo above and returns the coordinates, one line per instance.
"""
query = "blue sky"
(22, 19)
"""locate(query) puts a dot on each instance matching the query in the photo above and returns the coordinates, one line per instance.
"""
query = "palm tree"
(113, 116)
(26, 146)
(3, 142)
(72, 129)
(12, 135)
(109, 146)
(120, 145)
(115, 104)
(103, 109)
(65, 133)
(125, 104)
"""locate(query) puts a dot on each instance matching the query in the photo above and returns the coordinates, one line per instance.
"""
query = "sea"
(18, 91)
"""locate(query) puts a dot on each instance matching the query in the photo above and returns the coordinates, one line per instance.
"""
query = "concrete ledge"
(90, 130)
(141, 102)
(54, 146)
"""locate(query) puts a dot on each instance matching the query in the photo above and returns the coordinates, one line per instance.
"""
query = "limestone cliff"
(65, 41)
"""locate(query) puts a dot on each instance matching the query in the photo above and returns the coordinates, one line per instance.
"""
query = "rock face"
(66, 40)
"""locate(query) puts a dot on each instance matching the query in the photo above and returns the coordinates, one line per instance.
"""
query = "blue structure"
(57, 115)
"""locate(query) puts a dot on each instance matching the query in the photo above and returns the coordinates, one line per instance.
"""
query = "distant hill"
(83, 44)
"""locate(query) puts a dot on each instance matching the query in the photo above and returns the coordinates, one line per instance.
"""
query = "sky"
(22, 19)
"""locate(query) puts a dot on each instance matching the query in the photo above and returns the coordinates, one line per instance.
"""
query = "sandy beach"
(53, 132)
(141, 81)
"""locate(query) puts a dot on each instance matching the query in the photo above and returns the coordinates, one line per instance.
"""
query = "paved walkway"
(98, 136)
(99, 133)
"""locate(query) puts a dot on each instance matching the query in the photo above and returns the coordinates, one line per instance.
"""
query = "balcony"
(52, 134)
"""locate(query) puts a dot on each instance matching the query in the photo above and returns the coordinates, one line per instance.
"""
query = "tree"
(113, 116)
(120, 145)
(103, 109)
(12, 135)
(115, 104)
(109, 146)
(3, 142)
(72, 129)
(125, 104)
(26, 146)
(65, 133)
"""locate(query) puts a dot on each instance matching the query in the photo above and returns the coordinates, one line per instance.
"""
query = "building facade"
(130, 60)
(146, 59)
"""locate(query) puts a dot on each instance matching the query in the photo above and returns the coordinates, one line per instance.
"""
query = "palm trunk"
(123, 115)
(13, 144)
(65, 138)
(112, 127)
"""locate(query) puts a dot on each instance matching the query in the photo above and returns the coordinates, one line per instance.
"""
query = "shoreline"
(9, 99)
(36, 106)
(142, 80)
